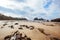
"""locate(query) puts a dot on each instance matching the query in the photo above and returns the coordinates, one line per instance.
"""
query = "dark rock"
(55, 20)
(7, 37)
(2, 27)
(18, 36)
(20, 28)
(16, 23)
(28, 38)
(11, 26)
(27, 27)
(54, 38)
(4, 24)
(23, 25)
(31, 27)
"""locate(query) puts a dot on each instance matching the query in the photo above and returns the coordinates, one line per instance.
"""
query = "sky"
(47, 9)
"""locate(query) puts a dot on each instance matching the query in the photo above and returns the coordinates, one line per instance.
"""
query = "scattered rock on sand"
(2, 27)
(7, 37)
(28, 38)
(16, 23)
(20, 28)
(31, 27)
(4, 24)
(53, 38)
(27, 27)
(17, 36)
(22, 25)
(11, 26)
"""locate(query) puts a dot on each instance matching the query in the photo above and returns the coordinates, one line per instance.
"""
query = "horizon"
(47, 9)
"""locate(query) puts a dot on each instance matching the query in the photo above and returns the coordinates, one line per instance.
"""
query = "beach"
(33, 30)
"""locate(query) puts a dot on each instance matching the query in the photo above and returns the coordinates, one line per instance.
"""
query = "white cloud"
(10, 14)
(5, 3)
(11, 4)
(36, 5)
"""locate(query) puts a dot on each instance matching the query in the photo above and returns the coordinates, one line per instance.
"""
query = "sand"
(41, 30)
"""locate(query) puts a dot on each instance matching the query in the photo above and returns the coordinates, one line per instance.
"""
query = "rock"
(27, 27)
(31, 27)
(7, 37)
(17, 36)
(16, 23)
(11, 26)
(28, 38)
(20, 28)
(4, 24)
(53, 38)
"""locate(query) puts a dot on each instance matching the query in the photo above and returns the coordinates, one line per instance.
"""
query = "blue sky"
(47, 9)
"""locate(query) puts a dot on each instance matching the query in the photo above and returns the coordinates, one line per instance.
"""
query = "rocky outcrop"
(55, 20)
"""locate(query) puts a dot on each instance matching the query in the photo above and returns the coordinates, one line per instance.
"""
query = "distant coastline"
(4, 17)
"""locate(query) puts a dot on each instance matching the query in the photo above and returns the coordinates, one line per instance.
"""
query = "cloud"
(6, 9)
(11, 14)
(30, 8)
(19, 0)
(57, 2)
(47, 5)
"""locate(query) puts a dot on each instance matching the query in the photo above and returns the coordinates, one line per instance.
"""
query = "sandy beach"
(33, 30)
